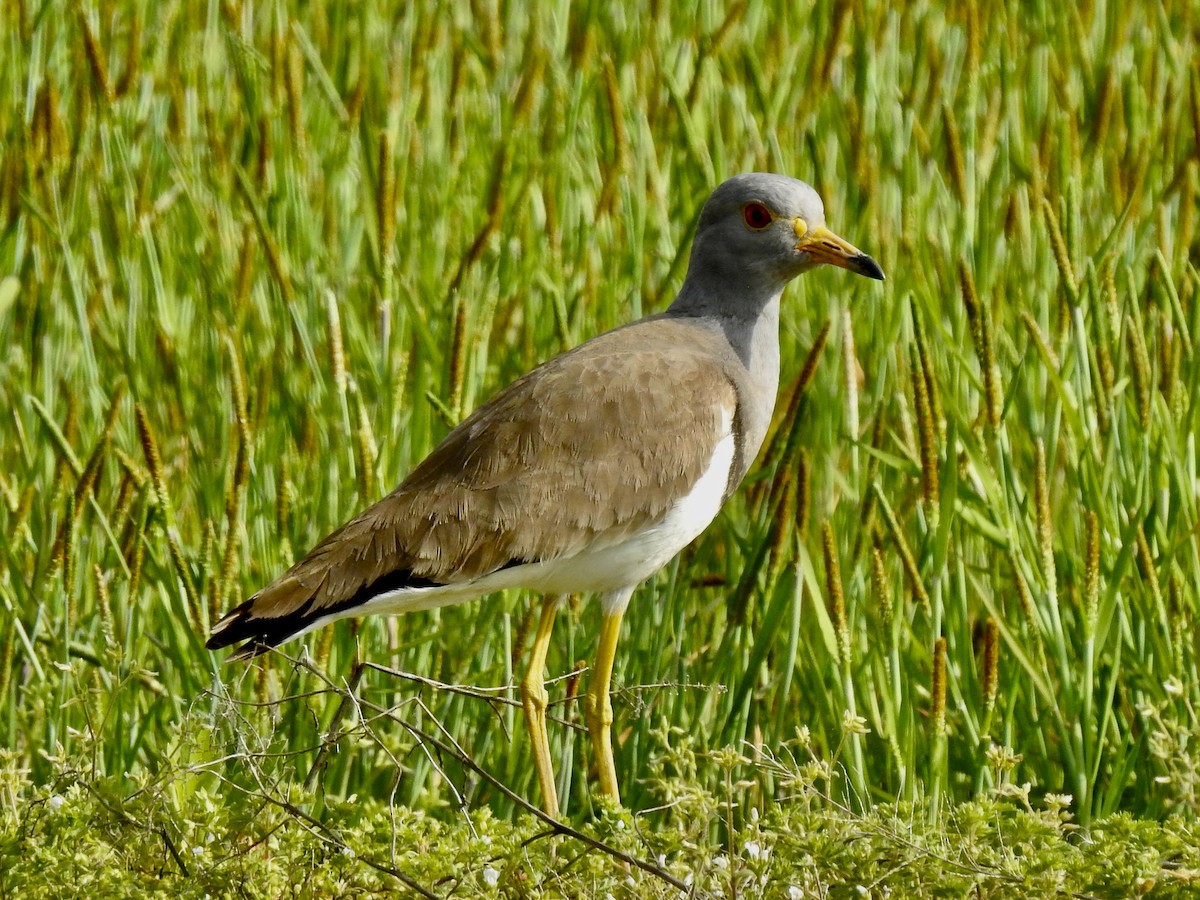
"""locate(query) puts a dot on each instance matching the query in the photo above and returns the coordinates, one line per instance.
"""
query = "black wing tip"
(256, 636)
(251, 645)
(258, 633)
(225, 632)
(231, 627)
(261, 633)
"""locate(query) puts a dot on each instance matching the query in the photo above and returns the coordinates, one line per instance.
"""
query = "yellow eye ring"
(756, 216)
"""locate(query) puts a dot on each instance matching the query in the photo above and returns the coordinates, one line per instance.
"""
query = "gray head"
(756, 233)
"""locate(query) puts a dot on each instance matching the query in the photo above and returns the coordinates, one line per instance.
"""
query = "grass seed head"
(1045, 523)
(1139, 359)
(991, 664)
(1091, 576)
(880, 586)
(937, 687)
(1061, 256)
(96, 58)
(835, 597)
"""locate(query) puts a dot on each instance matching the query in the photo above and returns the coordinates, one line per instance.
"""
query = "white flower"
(721, 862)
(852, 724)
(861, 889)
(56, 802)
(754, 850)
(348, 853)
(1058, 801)
(491, 877)
(795, 893)
(197, 850)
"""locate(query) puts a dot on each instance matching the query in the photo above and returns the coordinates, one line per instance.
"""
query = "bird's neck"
(750, 324)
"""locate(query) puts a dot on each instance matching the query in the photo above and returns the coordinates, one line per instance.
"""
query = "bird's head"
(758, 231)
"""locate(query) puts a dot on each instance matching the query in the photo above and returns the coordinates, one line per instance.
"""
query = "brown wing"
(590, 447)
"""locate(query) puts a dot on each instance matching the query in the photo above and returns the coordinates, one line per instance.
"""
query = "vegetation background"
(256, 259)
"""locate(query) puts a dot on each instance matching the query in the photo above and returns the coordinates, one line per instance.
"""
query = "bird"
(587, 474)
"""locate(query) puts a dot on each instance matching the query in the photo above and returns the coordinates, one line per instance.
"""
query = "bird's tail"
(256, 634)
(292, 606)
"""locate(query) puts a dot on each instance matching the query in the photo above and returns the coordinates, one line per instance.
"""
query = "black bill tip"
(864, 265)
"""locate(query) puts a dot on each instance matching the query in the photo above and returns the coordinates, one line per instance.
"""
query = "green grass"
(305, 243)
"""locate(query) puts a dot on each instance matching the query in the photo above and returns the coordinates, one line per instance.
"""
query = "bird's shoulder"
(639, 407)
(650, 375)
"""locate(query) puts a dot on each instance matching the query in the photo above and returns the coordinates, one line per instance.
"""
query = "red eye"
(757, 216)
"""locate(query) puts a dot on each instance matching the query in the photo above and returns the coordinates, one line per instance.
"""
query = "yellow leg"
(599, 706)
(534, 699)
